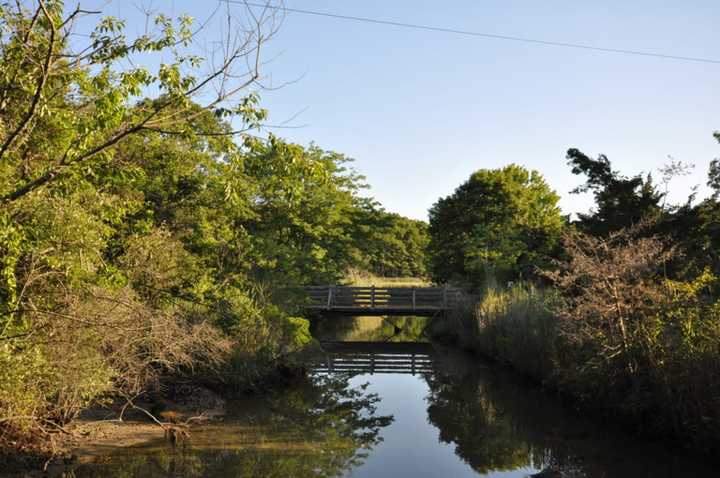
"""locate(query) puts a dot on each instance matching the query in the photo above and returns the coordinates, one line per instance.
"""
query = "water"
(399, 409)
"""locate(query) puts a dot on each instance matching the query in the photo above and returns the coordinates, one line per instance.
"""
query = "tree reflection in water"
(498, 423)
(371, 329)
(319, 427)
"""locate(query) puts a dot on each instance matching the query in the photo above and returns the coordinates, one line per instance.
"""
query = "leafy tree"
(105, 283)
(303, 203)
(389, 244)
(500, 224)
(695, 229)
(714, 175)
(621, 201)
(138, 236)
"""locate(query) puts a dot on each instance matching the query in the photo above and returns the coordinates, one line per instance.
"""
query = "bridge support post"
(330, 296)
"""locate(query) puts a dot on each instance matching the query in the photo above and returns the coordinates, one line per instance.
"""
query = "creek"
(382, 402)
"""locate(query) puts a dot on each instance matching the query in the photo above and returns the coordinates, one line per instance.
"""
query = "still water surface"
(382, 406)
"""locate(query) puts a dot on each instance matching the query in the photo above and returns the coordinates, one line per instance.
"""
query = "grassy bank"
(366, 279)
(662, 377)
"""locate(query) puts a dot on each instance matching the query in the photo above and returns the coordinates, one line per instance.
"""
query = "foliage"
(696, 231)
(615, 334)
(612, 294)
(620, 201)
(361, 278)
(714, 174)
(142, 233)
(390, 245)
(500, 224)
(304, 201)
(514, 325)
(629, 324)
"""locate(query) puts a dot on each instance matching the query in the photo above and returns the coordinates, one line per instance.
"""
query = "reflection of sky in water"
(489, 421)
(411, 446)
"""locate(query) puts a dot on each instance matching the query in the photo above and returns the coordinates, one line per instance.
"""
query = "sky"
(419, 111)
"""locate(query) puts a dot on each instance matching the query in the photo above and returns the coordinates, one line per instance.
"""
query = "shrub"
(615, 334)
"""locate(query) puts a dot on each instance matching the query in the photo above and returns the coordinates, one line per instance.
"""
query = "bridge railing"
(377, 298)
(374, 357)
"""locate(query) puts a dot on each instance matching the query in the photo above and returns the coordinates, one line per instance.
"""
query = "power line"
(477, 34)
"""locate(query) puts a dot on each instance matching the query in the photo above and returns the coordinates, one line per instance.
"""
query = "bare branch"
(38, 89)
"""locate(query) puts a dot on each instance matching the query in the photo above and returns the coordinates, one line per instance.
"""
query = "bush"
(615, 335)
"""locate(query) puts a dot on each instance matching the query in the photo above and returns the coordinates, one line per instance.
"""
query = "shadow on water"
(400, 408)
(497, 423)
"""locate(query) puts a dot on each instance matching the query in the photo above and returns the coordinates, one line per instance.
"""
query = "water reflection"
(376, 357)
(498, 423)
(371, 329)
(399, 409)
(321, 426)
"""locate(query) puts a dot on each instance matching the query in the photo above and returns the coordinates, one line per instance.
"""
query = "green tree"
(695, 228)
(303, 202)
(499, 225)
(106, 277)
(620, 201)
(714, 175)
(389, 244)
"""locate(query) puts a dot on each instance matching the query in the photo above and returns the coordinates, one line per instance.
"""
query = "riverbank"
(116, 423)
(168, 415)
(671, 395)
(458, 417)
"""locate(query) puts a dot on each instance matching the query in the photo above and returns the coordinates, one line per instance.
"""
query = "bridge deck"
(344, 300)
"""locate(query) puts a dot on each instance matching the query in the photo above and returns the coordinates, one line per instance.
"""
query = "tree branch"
(39, 88)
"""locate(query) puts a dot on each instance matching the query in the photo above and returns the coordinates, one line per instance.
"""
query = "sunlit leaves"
(499, 225)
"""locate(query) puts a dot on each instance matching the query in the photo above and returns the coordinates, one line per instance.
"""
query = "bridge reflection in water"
(376, 357)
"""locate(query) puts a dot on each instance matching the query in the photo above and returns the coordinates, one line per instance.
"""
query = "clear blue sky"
(420, 111)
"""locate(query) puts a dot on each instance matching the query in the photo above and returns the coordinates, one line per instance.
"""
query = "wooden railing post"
(413, 299)
(372, 297)
(330, 294)
(445, 297)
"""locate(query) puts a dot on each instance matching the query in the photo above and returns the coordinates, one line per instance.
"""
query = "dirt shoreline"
(99, 431)
(98, 438)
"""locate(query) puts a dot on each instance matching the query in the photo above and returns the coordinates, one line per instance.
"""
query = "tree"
(389, 244)
(696, 231)
(714, 176)
(303, 202)
(620, 201)
(501, 224)
(104, 284)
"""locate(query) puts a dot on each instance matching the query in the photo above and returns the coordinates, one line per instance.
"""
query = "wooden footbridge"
(345, 300)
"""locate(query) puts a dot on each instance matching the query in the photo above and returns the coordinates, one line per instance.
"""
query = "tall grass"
(515, 326)
(364, 279)
(673, 390)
